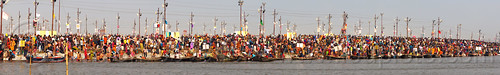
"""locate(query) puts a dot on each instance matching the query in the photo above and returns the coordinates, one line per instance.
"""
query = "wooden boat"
(124, 58)
(43, 58)
(447, 55)
(276, 59)
(261, 58)
(473, 54)
(241, 58)
(331, 57)
(148, 58)
(304, 58)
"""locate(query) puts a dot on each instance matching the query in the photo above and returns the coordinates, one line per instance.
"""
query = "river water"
(416, 66)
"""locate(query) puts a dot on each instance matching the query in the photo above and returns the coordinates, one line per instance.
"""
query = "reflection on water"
(416, 66)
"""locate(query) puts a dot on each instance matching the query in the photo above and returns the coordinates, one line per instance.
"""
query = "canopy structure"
(46, 33)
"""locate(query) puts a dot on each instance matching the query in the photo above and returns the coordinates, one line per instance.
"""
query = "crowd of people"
(231, 46)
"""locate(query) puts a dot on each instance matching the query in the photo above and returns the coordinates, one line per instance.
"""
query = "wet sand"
(416, 66)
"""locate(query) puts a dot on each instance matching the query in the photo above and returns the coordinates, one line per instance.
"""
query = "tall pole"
(422, 32)
(221, 27)
(133, 29)
(204, 26)
(28, 26)
(59, 18)
(145, 27)
(165, 17)
(263, 17)
(375, 25)
(359, 27)
(381, 24)
(344, 24)
(318, 29)
(433, 32)
(479, 35)
(19, 24)
(86, 24)
(407, 28)
(96, 30)
(240, 3)
(245, 22)
(104, 26)
(191, 24)
(329, 24)
(262, 11)
(458, 32)
(215, 25)
(118, 23)
(280, 25)
(1, 11)
(439, 22)
(67, 24)
(53, 16)
(176, 26)
(274, 27)
(157, 21)
(369, 27)
(78, 20)
(139, 14)
(396, 27)
(287, 27)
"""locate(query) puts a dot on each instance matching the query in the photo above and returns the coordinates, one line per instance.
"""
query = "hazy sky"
(472, 14)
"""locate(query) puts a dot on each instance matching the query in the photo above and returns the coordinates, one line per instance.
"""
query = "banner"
(5, 16)
(78, 26)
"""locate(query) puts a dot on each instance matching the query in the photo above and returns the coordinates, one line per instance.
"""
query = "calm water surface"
(415, 66)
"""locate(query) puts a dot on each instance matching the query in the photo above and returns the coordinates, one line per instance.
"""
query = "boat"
(124, 58)
(148, 58)
(19, 58)
(304, 58)
(45, 58)
(447, 55)
(261, 58)
(331, 57)
(473, 54)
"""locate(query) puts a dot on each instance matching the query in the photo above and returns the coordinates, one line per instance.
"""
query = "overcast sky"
(472, 14)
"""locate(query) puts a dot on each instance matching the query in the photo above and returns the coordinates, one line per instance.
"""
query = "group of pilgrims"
(233, 47)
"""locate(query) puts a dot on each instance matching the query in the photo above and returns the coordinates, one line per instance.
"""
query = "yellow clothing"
(21, 43)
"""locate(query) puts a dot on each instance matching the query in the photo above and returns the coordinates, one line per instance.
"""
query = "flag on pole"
(166, 22)
(5, 16)
(37, 15)
(261, 23)
(439, 31)
(67, 26)
(78, 26)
